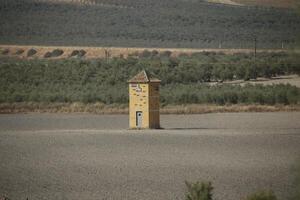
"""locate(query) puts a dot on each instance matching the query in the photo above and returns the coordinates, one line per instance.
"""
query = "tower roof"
(143, 77)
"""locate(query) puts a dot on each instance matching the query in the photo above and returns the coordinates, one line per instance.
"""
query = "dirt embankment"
(60, 52)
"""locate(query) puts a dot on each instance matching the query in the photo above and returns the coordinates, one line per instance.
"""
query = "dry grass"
(200, 109)
(100, 108)
(30, 107)
(102, 52)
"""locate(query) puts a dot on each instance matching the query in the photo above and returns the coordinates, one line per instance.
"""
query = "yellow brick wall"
(138, 101)
(144, 97)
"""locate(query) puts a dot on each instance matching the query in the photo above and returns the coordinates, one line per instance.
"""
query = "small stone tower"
(144, 101)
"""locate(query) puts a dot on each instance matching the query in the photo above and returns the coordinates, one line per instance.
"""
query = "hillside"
(269, 3)
(265, 3)
(146, 23)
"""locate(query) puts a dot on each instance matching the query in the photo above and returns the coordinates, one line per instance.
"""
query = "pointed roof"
(143, 77)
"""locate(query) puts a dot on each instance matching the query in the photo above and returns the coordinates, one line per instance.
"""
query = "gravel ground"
(75, 156)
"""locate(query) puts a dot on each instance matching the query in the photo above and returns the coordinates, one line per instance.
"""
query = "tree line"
(193, 78)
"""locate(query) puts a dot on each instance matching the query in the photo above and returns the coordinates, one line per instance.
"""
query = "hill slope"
(266, 3)
(270, 3)
(145, 23)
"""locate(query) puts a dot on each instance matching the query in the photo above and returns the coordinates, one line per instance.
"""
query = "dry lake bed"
(83, 156)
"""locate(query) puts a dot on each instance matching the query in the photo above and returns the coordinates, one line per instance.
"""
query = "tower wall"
(139, 101)
(154, 105)
(144, 101)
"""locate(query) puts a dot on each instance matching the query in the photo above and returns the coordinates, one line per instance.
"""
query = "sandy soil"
(51, 156)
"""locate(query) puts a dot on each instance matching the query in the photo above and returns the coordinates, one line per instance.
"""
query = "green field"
(147, 23)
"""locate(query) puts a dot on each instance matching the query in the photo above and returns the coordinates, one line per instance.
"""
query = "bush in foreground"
(203, 191)
(296, 181)
(199, 191)
(262, 195)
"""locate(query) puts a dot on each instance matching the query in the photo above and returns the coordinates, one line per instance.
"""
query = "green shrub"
(19, 51)
(57, 52)
(199, 191)
(54, 53)
(48, 55)
(145, 54)
(165, 54)
(81, 53)
(74, 53)
(262, 195)
(31, 52)
(78, 53)
(5, 51)
(154, 53)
